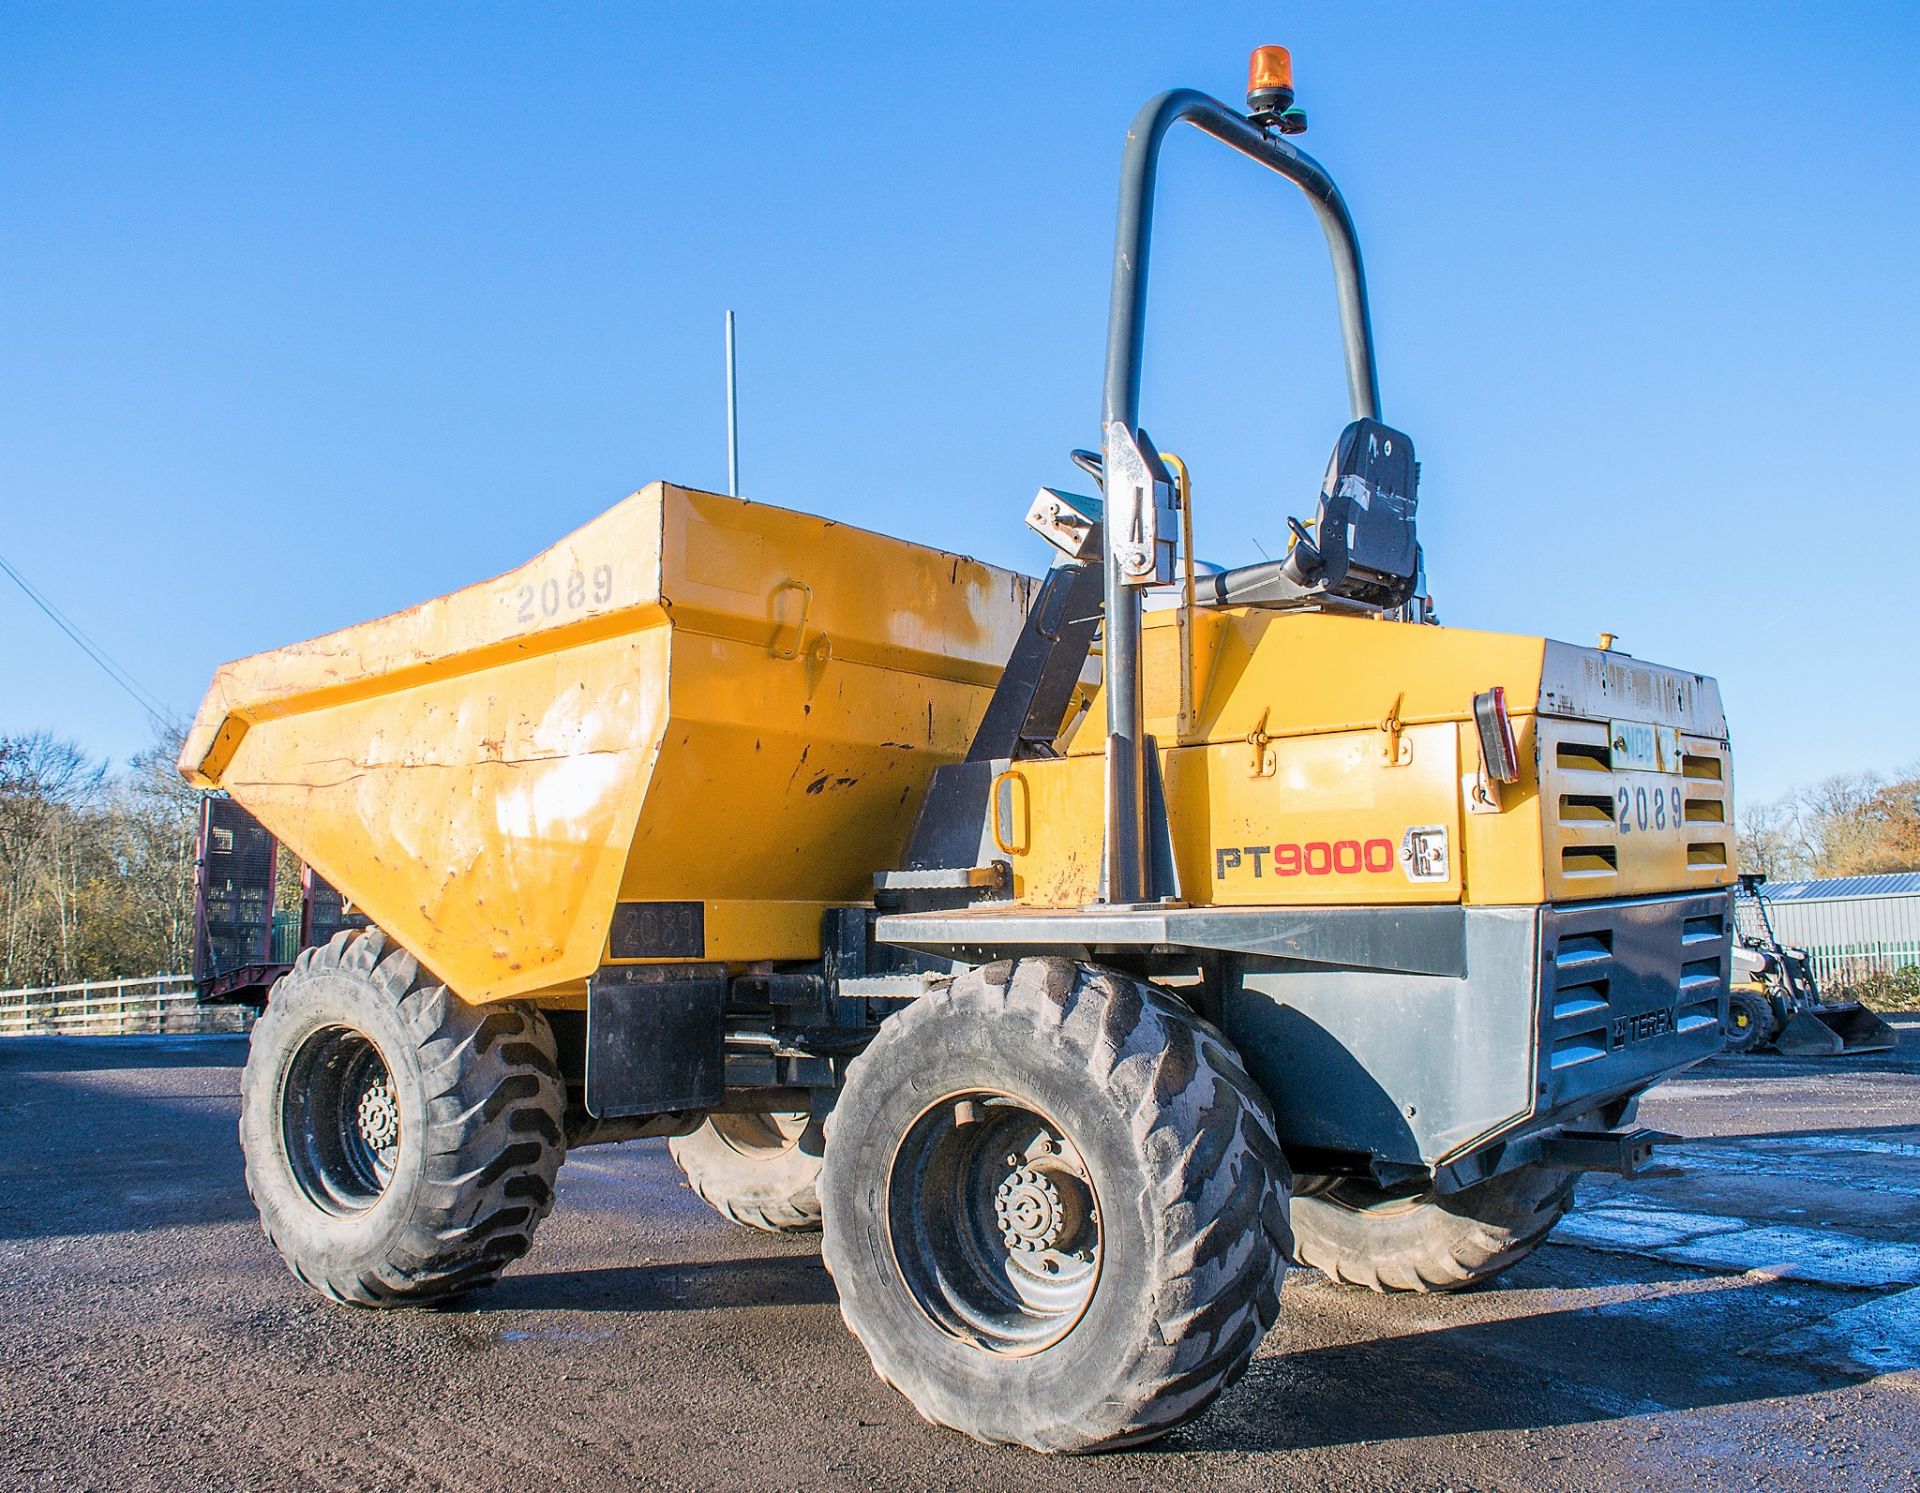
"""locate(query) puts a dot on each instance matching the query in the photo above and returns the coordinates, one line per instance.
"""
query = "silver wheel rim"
(994, 1222)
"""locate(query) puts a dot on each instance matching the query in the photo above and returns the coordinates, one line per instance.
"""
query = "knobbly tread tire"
(481, 1100)
(1207, 1195)
(776, 1194)
(1435, 1243)
(1759, 1030)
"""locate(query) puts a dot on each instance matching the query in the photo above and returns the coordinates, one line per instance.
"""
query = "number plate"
(1646, 803)
(1639, 747)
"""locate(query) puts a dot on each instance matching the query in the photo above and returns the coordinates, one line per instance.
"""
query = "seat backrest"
(1365, 536)
(1362, 552)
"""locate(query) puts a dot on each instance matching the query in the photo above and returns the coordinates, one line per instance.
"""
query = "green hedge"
(1880, 989)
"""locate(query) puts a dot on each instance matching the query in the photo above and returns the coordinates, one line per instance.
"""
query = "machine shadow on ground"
(1526, 1372)
(152, 1174)
(691, 1286)
(36, 1055)
(1793, 1131)
(1761, 1067)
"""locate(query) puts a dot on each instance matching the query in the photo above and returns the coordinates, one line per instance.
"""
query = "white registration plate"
(1640, 747)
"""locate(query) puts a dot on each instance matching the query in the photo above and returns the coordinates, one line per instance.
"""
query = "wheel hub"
(1029, 1210)
(378, 1115)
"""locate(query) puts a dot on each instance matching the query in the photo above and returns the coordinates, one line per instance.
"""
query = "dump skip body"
(720, 712)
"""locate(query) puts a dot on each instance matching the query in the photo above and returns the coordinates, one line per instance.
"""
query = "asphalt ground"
(1752, 1324)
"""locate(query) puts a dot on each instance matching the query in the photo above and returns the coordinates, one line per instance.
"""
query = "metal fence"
(286, 936)
(1829, 961)
(1876, 915)
(154, 1003)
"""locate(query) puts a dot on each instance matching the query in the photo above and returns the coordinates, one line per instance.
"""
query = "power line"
(138, 693)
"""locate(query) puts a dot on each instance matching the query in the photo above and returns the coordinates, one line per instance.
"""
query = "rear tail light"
(1498, 749)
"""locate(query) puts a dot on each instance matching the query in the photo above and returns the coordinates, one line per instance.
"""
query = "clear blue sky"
(310, 312)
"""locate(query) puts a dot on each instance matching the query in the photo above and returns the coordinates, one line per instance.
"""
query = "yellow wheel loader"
(1076, 953)
(1776, 1002)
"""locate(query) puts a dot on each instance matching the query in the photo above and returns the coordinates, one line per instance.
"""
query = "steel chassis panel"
(1410, 940)
(1419, 1037)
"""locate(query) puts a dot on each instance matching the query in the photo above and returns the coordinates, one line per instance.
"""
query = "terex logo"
(1316, 858)
(1642, 1027)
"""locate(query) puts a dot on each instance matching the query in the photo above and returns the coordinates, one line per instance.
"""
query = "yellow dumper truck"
(1076, 953)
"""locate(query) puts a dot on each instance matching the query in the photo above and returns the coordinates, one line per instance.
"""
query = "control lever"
(1303, 560)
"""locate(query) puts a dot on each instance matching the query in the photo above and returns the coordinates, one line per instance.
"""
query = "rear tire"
(400, 1143)
(1055, 1208)
(760, 1170)
(1360, 1235)
(1749, 1021)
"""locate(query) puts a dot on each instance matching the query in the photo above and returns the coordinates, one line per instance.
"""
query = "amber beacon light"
(1270, 91)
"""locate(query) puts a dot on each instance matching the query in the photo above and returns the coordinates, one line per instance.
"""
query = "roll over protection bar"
(1125, 879)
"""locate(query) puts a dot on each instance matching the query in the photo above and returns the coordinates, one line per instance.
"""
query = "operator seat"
(1362, 554)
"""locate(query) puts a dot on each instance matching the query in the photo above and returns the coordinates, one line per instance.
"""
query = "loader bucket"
(1830, 1031)
(681, 733)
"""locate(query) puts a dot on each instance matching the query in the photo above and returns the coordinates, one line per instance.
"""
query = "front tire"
(1055, 1208)
(1361, 1235)
(1749, 1021)
(400, 1143)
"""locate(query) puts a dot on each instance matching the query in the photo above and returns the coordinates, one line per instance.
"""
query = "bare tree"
(1767, 841)
(46, 784)
(1851, 824)
(96, 872)
(156, 820)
